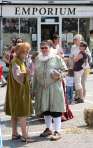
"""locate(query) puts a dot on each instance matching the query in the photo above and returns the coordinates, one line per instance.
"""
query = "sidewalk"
(74, 132)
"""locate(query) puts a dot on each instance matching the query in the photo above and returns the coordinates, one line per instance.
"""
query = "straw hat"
(78, 37)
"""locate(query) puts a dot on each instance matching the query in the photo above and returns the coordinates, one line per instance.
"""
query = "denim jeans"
(69, 93)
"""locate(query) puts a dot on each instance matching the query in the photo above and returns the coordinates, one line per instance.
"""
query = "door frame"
(48, 23)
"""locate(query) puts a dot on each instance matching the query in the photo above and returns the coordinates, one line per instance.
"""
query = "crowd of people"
(53, 84)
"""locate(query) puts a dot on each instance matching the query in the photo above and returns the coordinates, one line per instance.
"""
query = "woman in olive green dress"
(18, 101)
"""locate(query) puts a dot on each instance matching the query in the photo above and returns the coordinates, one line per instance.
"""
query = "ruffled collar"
(46, 58)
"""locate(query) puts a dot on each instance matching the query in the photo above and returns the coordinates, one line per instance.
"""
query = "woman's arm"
(17, 74)
(78, 57)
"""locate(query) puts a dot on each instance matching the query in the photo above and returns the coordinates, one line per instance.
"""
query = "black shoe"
(46, 133)
(79, 100)
(3, 85)
(16, 137)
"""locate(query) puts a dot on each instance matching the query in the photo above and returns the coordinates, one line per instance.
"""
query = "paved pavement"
(74, 132)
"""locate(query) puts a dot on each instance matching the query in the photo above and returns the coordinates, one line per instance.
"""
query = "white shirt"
(69, 81)
(74, 50)
(58, 50)
(28, 61)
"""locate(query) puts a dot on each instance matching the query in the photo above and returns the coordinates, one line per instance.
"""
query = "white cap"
(78, 37)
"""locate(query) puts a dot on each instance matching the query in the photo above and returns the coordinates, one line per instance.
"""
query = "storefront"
(37, 22)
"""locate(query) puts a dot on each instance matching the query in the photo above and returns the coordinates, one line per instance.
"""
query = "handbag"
(86, 67)
(56, 74)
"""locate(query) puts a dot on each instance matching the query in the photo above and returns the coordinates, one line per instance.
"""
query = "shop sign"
(35, 11)
(44, 11)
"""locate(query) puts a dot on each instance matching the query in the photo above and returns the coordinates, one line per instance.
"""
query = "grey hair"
(44, 43)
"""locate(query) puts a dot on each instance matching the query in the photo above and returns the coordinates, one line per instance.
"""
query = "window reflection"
(10, 30)
(27, 30)
(10, 25)
(84, 27)
(69, 29)
(70, 25)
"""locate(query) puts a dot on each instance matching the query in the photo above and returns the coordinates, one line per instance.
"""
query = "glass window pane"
(69, 29)
(70, 25)
(28, 30)
(84, 28)
(10, 30)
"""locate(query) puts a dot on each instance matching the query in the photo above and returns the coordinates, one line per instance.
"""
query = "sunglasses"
(45, 47)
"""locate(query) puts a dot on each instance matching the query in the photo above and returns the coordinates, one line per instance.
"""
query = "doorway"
(47, 31)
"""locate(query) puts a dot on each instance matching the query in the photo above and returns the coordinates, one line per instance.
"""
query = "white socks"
(48, 121)
(57, 123)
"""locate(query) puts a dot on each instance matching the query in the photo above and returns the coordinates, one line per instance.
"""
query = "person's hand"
(78, 57)
(28, 71)
(55, 75)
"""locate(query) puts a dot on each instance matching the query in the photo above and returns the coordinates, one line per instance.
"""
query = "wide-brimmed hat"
(78, 37)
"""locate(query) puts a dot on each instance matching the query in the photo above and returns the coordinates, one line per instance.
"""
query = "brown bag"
(55, 75)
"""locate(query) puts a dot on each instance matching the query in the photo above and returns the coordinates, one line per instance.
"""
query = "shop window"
(10, 30)
(84, 28)
(10, 25)
(69, 29)
(28, 29)
(70, 25)
(24, 28)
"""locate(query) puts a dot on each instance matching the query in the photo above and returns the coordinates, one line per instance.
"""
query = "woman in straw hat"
(18, 102)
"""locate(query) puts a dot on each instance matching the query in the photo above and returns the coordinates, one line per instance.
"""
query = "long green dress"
(18, 101)
(49, 94)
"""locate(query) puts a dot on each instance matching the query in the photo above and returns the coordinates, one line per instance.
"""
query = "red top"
(1, 71)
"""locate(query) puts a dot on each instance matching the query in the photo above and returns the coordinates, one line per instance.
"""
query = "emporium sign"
(36, 10)
(45, 11)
